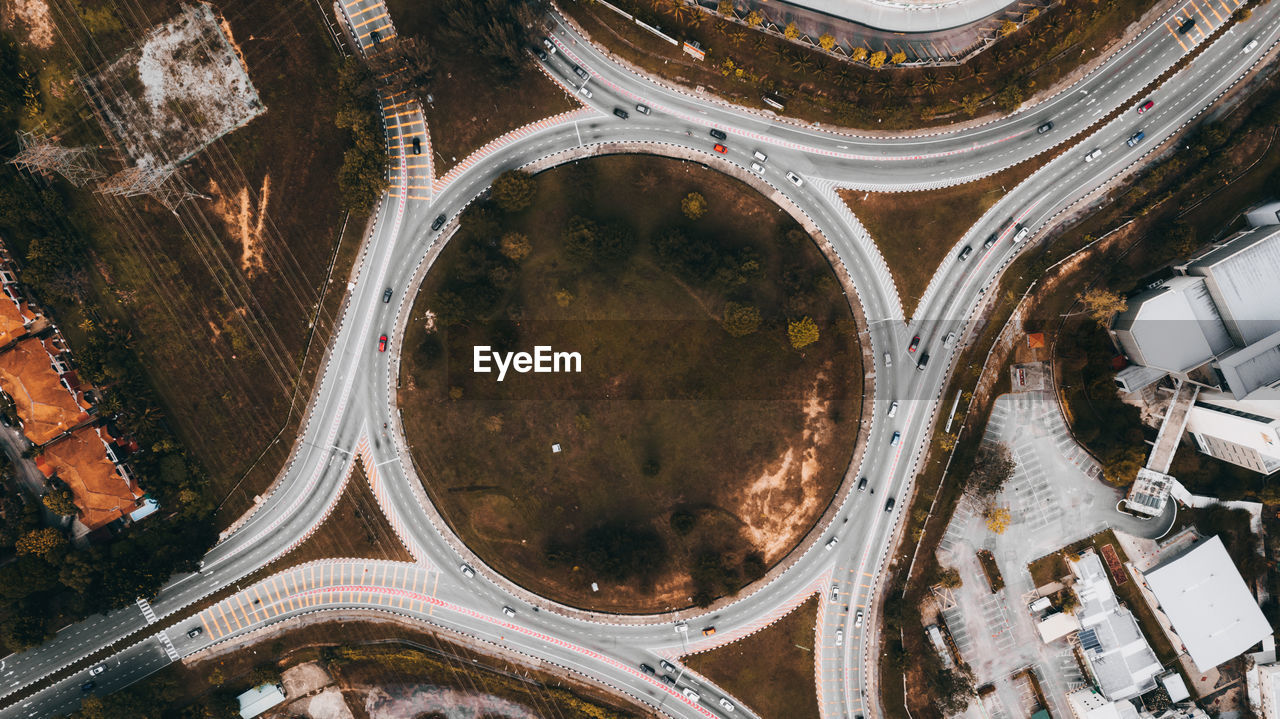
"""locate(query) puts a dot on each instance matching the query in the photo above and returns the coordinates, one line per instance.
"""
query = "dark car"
(924, 361)
(621, 113)
(888, 506)
(1187, 26)
(438, 223)
(862, 484)
(1044, 128)
(915, 342)
(386, 295)
(541, 55)
(580, 72)
(647, 669)
(88, 687)
(195, 632)
(417, 145)
(719, 134)
(964, 254)
(991, 240)
(668, 680)
(1137, 137)
(382, 343)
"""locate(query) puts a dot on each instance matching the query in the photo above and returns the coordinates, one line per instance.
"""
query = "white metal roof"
(1208, 603)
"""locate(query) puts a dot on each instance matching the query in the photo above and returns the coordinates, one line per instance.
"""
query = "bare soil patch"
(689, 460)
(772, 671)
(915, 242)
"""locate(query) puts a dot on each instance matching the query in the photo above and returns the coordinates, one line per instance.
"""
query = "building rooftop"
(1252, 367)
(1121, 660)
(45, 406)
(1208, 604)
(1174, 327)
(80, 461)
(259, 699)
(1241, 275)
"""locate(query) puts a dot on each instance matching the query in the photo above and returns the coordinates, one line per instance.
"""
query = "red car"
(721, 148)
(382, 343)
(1145, 106)
(915, 342)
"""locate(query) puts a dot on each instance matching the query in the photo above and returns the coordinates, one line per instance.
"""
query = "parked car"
(719, 134)
(964, 254)
(1146, 106)
(795, 179)
(382, 343)
(438, 223)
(621, 113)
(643, 109)
(1044, 128)
(721, 148)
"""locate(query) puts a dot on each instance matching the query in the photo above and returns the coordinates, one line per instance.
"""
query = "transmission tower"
(41, 155)
(163, 183)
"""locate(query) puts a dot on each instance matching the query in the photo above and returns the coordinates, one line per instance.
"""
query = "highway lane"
(287, 514)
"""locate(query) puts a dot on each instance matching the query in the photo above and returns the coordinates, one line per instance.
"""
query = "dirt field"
(469, 108)
(220, 298)
(915, 243)
(772, 670)
(718, 456)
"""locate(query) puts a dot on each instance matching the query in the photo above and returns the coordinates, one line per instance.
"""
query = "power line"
(41, 155)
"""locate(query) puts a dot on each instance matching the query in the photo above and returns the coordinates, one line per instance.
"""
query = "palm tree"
(931, 83)
(737, 37)
(842, 77)
(762, 43)
(884, 86)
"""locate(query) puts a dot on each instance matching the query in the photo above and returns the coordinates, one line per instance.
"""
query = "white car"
(726, 704)
(693, 696)
(757, 168)
(97, 670)
(551, 46)
(585, 92)
(1249, 48)
(466, 570)
(857, 622)
(839, 637)
(893, 408)
(951, 337)
(835, 593)
(888, 360)
(760, 156)
(509, 611)
(1022, 234)
(833, 542)
(682, 628)
(795, 179)
(1093, 155)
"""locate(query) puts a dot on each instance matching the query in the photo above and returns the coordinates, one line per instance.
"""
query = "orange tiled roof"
(81, 462)
(13, 320)
(46, 408)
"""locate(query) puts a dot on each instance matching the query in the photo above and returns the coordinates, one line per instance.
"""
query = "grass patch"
(1048, 569)
(992, 571)
(742, 65)
(469, 106)
(679, 477)
(915, 243)
(771, 671)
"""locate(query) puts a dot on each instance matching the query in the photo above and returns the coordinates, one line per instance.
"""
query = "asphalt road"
(353, 410)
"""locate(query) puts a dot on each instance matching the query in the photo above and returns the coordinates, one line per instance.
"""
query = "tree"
(683, 522)
(754, 18)
(740, 320)
(515, 246)
(997, 519)
(802, 332)
(694, 205)
(877, 58)
(992, 467)
(858, 54)
(970, 103)
(1007, 28)
(898, 58)
(950, 578)
(1009, 97)
(1103, 305)
(42, 542)
(725, 7)
(513, 190)
(791, 32)
(60, 501)
(1241, 14)
(826, 41)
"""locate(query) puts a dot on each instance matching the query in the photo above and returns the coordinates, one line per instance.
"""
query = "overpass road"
(353, 413)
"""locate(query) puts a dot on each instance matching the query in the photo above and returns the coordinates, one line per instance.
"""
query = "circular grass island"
(703, 392)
